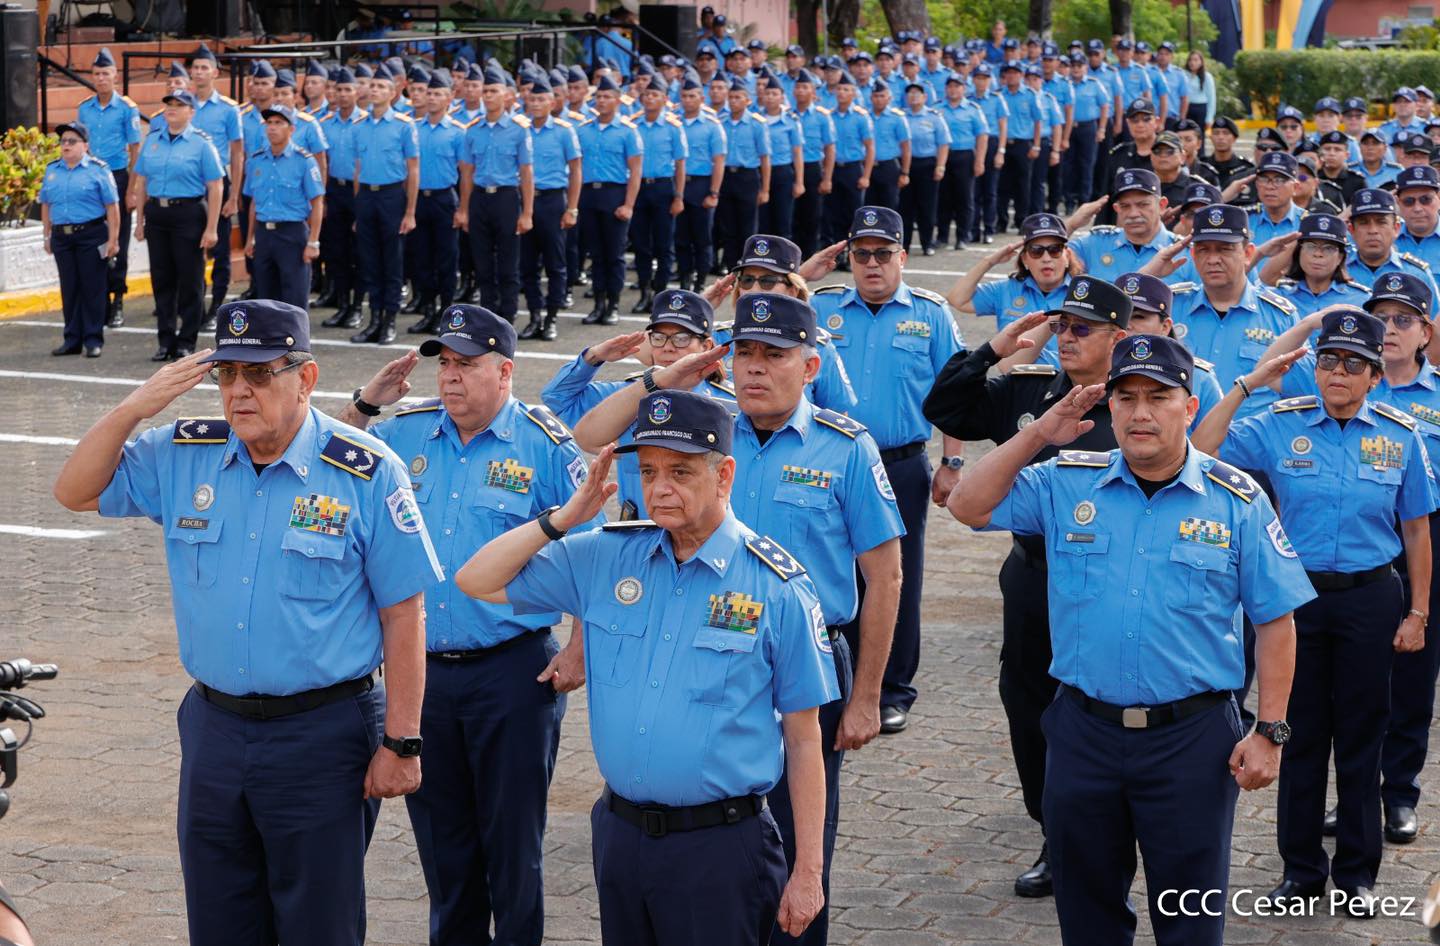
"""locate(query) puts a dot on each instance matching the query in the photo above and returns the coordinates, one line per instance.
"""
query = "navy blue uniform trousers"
(603, 235)
(818, 932)
(809, 206)
(1412, 700)
(115, 279)
(1026, 687)
(716, 886)
(1169, 789)
(278, 270)
(177, 269)
(918, 202)
(884, 189)
(1079, 163)
(432, 249)
(337, 238)
(986, 199)
(957, 197)
(1039, 177)
(844, 199)
(544, 246)
(910, 478)
(652, 231)
(777, 215)
(379, 250)
(1344, 646)
(737, 215)
(694, 249)
(220, 252)
(1013, 187)
(491, 733)
(83, 272)
(496, 248)
(272, 823)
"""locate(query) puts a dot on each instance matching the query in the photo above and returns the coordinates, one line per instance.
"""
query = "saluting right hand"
(389, 384)
(1004, 253)
(165, 385)
(587, 501)
(1169, 260)
(716, 292)
(1065, 421)
(1012, 338)
(692, 369)
(615, 349)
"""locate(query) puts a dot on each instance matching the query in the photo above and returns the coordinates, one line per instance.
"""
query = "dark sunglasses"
(1424, 200)
(748, 281)
(1037, 250)
(1402, 321)
(1354, 364)
(880, 256)
(1078, 329)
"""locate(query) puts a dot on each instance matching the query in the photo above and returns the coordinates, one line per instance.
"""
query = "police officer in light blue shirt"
(1094, 97)
(1276, 215)
(704, 171)
(1045, 175)
(787, 165)
(1373, 234)
(80, 211)
(1108, 251)
(747, 174)
(555, 153)
(297, 560)
(929, 158)
(817, 126)
(337, 233)
(854, 160)
(219, 117)
(432, 248)
(307, 128)
(662, 192)
(706, 660)
(1022, 148)
(612, 154)
(113, 123)
(1152, 548)
(481, 462)
(286, 195)
(892, 152)
(997, 117)
(970, 136)
(1317, 276)
(1417, 190)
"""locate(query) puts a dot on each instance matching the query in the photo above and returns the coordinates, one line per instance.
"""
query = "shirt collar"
(716, 553)
(1315, 418)
(800, 421)
(1163, 238)
(1191, 475)
(303, 449)
(502, 426)
(902, 296)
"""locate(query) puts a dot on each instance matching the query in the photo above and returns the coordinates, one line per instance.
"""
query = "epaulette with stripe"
(1204, 365)
(844, 423)
(546, 420)
(1083, 458)
(1184, 287)
(1306, 402)
(821, 109)
(822, 289)
(423, 407)
(672, 119)
(929, 294)
(228, 100)
(773, 554)
(520, 120)
(247, 108)
(1391, 412)
(352, 456)
(559, 123)
(1275, 299)
(402, 116)
(305, 116)
(201, 430)
(723, 387)
(628, 525)
(1235, 480)
(1412, 258)
(1038, 370)
(625, 121)
(130, 102)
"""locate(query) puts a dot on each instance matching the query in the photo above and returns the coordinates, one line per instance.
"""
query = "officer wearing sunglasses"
(1417, 190)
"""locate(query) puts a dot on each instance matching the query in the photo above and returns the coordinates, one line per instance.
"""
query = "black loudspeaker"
(20, 37)
(214, 18)
(675, 26)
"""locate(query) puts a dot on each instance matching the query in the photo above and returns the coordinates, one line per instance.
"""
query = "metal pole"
(1189, 27)
(825, 27)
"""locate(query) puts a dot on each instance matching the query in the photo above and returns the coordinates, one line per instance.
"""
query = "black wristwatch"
(364, 406)
(552, 532)
(647, 377)
(1277, 732)
(406, 748)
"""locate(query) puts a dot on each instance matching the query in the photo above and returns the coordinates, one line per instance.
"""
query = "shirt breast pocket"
(717, 664)
(196, 552)
(1078, 565)
(1250, 351)
(613, 638)
(912, 353)
(503, 507)
(806, 511)
(1386, 476)
(1297, 466)
(312, 566)
(1208, 574)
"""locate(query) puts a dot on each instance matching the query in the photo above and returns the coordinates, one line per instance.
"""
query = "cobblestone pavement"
(933, 829)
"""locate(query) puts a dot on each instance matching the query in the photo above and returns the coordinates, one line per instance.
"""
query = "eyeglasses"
(1078, 329)
(768, 282)
(1354, 364)
(1424, 200)
(880, 256)
(257, 376)
(1037, 250)
(1402, 321)
(1302, 177)
(70, 141)
(677, 340)
(1321, 247)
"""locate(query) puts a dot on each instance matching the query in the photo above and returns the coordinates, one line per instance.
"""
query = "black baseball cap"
(1317, 226)
(1227, 123)
(1221, 223)
(1349, 328)
(1415, 143)
(774, 253)
(1328, 104)
(775, 319)
(1141, 106)
(1269, 138)
(1147, 293)
(1157, 357)
(1356, 104)
(471, 330)
(259, 330)
(683, 421)
(683, 308)
(1135, 179)
(1096, 301)
(1405, 288)
(872, 221)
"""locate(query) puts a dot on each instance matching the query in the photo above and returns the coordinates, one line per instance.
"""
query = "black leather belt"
(657, 180)
(342, 182)
(479, 653)
(277, 224)
(436, 191)
(846, 164)
(1031, 549)
(69, 228)
(741, 172)
(598, 185)
(497, 189)
(174, 201)
(659, 820)
(1146, 717)
(550, 190)
(1344, 581)
(275, 707)
(376, 188)
(896, 454)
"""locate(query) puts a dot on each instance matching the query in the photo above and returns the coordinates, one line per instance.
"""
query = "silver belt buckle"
(492, 190)
(269, 225)
(164, 201)
(1135, 717)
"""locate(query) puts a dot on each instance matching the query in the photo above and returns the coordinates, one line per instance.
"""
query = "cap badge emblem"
(760, 311)
(762, 247)
(1348, 325)
(1323, 223)
(238, 323)
(677, 302)
(1141, 349)
(871, 218)
(1132, 286)
(457, 320)
(660, 410)
(1394, 283)
(1081, 290)
(1217, 217)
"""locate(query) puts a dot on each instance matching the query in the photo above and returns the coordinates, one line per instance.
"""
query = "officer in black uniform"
(964, 405)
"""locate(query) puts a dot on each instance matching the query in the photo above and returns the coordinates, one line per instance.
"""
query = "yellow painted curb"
(17, 305)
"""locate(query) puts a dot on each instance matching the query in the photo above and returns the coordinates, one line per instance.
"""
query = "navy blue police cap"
(871, 221)
(343, 75)
(177, 71)
(363, 71)
(179, 97)
(471, 330)
(1147, 293)
(283, 112)
(1351, 329)
(1036, 226)
(103, 58)
(1419, 175)
(1136, 179)
(1201, 193)
(576, 74)
(202, 52)
(681, 307)
(259, 330)
(440, 79)
(1356, 104)
(1328, 227)
(1328, 104)
(1335, 137)
(1221, 223)
(1290, 112)
(983, 69)
(1371, 200)
(261, 69)
(683, 421)
(805, 75)
(1141, 106)
(284, 79)
(77, 126)
(1278, 162)
(1157, 357)
(775, 319)
(1415, 143)
(1095, 300)
(1405, 288)
(766, 251)
(313, 68)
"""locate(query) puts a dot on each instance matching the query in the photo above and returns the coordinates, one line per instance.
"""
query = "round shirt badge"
(417, 466)
(628, 590)
(1300, 445)
(760, 311)
(1141, 349)
(762, 247)
(1181, 330)
(677, 302)
(871, 218)
(1107, 259)
(1217, 217)
(204, 497)
(1132, 286)
(457, 321)
(660, 410)
(1081, 290)
(1024, 420)
(1084, 513)
(1348, 325)
(835, 321)
(1394, 283)
(238, 324)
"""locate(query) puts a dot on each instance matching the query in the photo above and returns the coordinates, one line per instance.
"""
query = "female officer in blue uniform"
(1316, 276)
(80, 211)
(1344, 468)
(929, 155)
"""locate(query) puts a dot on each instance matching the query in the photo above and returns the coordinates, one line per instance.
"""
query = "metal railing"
(46, 64)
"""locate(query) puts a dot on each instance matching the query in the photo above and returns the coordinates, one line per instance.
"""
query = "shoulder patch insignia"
(546, 420)
(1204, 365)
(1277, 300)
(1083, 458)
(1286, 283)
(1236, 481)
(842, 422)
(1391, 412)
(1412, 258)
(1105, 228)
(822, 110)
(423, 407)
(628, 525)
(227, 100)
(1037, 370)
(245, 109)
(773, 555)
(721, 386)
(351, 456)
(1307, 402)
(929, 294)
(201, 430)
(1184, 287)
(522, 121)
(129, 101)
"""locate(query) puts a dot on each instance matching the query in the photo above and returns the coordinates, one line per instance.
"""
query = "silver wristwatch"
(953, 463)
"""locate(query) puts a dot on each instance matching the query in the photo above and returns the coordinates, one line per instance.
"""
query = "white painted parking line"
(35, 532)
(42, 441)
(130, 382)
